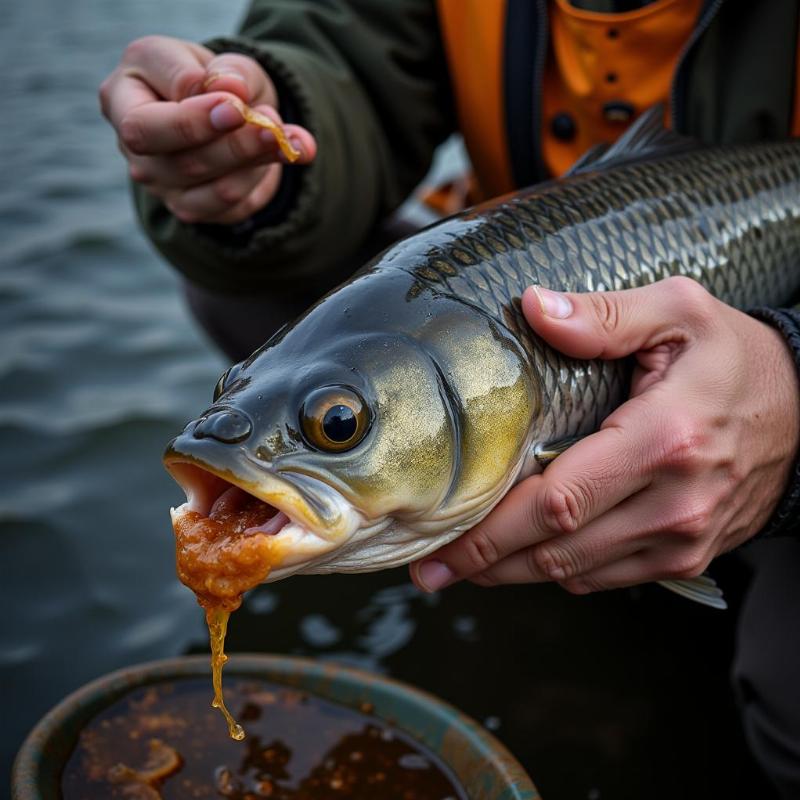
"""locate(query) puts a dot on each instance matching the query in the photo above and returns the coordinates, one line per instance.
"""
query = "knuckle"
(131, 134)
(690, 296)
(188, 130)
(605, 311)
(564, 507)
(694, 520)
(183, 213)
(190, 166)
(480, 550)
(686, 566)
(138, 47)
(564, 558)
(580, 586)
(138, 174)
(250, 205)
(686, 288)
(183, 83)
(233, 61)
(684, 446)
(228, 192)
(486, 579)
(239, 146)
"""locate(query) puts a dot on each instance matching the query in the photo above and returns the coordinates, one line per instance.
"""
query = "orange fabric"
(641, 53)
(598, 58)
(473, 35)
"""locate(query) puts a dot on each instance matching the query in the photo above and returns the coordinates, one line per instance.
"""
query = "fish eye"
(225, 381)
(334, 419)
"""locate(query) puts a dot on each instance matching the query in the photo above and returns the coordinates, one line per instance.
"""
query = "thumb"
(242, 76)
(617, 324)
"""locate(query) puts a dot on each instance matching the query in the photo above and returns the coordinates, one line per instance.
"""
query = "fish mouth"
(307, 518)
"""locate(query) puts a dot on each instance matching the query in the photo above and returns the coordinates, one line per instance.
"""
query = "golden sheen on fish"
(399, 410)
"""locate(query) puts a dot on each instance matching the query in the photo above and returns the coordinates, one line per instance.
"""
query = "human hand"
(691, 466)
(170, 102)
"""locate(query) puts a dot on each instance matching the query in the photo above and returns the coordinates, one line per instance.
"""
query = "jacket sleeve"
(368, 78)
(785, 520)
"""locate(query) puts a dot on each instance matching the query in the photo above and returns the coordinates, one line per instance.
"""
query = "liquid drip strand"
(217, 621)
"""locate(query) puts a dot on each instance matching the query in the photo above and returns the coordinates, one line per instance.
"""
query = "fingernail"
(434, 575)
(296, 143)
(553, 304)
(557, 573)
(225, 117)
(223, 73)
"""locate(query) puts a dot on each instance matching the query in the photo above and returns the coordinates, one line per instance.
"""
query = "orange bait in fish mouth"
(224, 544)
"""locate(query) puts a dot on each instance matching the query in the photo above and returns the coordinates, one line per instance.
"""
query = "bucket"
(482, 765)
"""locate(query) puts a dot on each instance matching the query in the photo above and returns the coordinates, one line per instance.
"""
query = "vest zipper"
(678, 92)
(538, 88)
(524, 53)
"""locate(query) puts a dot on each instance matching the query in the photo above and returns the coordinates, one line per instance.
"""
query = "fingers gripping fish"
(399, 410)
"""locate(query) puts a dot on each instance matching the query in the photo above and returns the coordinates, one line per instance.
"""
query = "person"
(703, 457)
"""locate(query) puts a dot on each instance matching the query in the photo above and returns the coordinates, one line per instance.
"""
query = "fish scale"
(726, 217)
(451, 397)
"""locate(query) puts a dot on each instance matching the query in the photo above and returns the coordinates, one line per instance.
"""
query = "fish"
(400, 409)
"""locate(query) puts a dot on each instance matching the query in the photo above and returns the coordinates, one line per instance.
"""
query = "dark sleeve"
(785, 520)
(368, 78)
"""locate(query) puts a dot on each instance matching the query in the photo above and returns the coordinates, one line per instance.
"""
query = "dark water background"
(619, 696)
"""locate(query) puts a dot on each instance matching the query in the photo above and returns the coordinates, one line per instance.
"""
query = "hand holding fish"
(691, 466)
(179, 112)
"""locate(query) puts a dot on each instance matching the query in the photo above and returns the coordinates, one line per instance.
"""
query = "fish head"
(344, 428)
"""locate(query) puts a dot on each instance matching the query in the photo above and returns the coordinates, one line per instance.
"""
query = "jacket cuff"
(785, 520)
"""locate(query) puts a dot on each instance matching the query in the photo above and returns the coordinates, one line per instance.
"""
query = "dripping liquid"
(217, 621)
(220, 557)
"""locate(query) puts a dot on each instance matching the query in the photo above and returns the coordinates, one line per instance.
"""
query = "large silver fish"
(399, 410)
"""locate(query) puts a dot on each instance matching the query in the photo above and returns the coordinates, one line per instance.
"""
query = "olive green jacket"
(369, 79)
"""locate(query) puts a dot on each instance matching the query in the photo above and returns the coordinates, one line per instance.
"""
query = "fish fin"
(647, 138)
(547, 452)
(702, 589)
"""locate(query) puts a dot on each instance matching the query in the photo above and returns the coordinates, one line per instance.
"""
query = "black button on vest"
(227, 426)
(563, 127)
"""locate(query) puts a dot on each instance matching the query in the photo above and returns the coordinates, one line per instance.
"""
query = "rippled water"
(100, 367)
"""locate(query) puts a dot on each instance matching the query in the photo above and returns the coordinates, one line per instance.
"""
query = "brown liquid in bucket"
(162, 741)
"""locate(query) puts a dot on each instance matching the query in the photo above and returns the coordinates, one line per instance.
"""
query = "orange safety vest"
(599, 72)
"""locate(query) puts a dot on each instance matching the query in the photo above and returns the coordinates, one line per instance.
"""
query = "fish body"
(425, 360)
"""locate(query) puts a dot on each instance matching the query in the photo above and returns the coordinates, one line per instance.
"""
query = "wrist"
(785, 519)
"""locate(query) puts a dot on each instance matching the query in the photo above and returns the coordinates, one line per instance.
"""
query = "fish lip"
(315, 509)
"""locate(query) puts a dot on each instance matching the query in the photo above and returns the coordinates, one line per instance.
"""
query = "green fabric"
(369, 81)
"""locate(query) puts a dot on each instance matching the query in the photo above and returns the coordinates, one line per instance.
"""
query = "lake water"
(618, 696)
